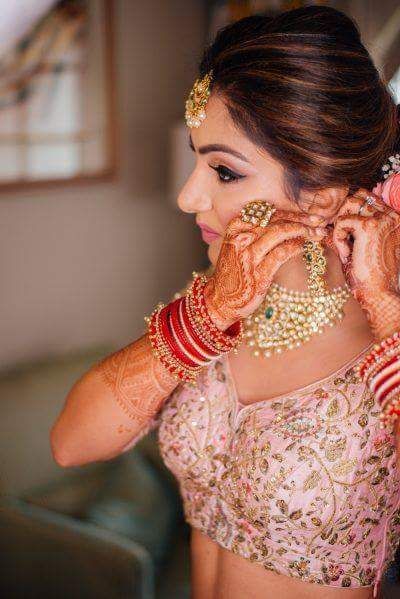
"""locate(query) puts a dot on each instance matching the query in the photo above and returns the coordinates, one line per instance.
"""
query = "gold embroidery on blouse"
(233, 465)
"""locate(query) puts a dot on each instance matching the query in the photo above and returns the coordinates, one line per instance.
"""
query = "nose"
(193, 196)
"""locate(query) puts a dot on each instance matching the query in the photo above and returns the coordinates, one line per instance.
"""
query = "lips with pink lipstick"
(208, 235)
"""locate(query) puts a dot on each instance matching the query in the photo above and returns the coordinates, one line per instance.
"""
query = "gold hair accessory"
(259, 213)
(195, 104)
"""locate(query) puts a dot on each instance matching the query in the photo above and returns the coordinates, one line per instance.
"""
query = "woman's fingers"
(236, 225)
(302, 217)
(280, 231)
(353, 204)
(344, 226)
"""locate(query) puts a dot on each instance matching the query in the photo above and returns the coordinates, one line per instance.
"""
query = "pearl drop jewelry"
(196, 103)
(287, 318)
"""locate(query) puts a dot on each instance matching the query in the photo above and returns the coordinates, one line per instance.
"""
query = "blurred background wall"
(82, 265)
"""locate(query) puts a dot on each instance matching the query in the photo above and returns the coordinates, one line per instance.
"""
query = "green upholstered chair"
(47, 554)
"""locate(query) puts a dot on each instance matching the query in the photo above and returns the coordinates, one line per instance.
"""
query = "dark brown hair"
(303, 87)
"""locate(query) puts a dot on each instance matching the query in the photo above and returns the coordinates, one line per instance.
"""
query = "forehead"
(218, 127)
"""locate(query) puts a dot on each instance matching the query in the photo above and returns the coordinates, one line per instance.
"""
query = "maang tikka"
(195, 104)
(287, 318)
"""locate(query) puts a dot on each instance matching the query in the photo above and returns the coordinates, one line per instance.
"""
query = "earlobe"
(324, 203)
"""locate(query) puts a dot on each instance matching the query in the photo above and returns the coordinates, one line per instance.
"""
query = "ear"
(325, 202)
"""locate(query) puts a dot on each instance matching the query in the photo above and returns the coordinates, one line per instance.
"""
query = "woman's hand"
(368, 246)
(248, 260)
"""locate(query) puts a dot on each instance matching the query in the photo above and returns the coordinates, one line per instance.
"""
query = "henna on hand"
(382, 312)
(138, 380)
(248, 260)
(371, 264)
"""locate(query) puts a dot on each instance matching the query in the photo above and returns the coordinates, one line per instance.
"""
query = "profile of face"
(231, 171)
(226, 178)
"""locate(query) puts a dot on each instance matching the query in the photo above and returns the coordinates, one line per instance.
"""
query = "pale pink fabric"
(304, 484)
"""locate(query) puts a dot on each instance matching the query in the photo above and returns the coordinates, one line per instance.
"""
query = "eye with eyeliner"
(223, 171)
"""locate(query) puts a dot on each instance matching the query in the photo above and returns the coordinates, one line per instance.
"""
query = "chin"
(213, 251)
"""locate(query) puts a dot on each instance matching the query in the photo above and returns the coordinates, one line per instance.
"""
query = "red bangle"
(377, 351)
(207, 349)
(375, 385)
(219, 338)
(197, 331)
(388, 390)
(168, 337)
(164, 353)
(182, 338)
(223, 336)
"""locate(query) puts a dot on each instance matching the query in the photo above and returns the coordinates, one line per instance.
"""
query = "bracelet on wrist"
(380, 370)
(184, 337)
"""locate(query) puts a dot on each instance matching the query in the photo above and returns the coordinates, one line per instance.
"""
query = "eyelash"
(223, 170)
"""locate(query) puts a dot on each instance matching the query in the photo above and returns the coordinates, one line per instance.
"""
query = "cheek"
(230, 204)
(228, 209)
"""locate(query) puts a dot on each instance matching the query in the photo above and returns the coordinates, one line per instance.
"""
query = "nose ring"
(257, 212)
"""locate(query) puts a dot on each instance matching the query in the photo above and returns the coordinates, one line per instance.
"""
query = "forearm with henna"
(138, 380)
(382, 312)
(110, 404)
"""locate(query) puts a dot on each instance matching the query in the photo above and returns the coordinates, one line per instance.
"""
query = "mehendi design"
(390, 255)
(372, 269)
(248, 260)
(382, 312)
(138, 380)
(234, 286)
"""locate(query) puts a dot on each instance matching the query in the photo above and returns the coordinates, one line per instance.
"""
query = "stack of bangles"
(380, 370)
(184, 337)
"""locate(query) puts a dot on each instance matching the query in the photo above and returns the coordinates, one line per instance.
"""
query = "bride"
(273, 377)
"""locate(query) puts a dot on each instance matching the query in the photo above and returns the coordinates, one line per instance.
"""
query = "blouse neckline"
(241, 406)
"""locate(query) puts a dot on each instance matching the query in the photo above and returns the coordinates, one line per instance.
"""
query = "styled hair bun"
(322, 20)
(303, 87)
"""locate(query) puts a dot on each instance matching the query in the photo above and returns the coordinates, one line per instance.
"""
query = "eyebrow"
(217, 148)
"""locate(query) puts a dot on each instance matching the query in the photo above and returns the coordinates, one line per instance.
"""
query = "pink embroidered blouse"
(304, 483)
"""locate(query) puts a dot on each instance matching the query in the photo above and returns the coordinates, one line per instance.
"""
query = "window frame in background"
(108, 172)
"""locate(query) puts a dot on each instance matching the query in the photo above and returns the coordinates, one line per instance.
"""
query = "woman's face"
(222, 183)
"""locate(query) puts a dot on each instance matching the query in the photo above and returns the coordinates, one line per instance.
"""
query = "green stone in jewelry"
(269, 312)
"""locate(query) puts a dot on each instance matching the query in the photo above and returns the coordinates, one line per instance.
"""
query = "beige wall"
(83, 265)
